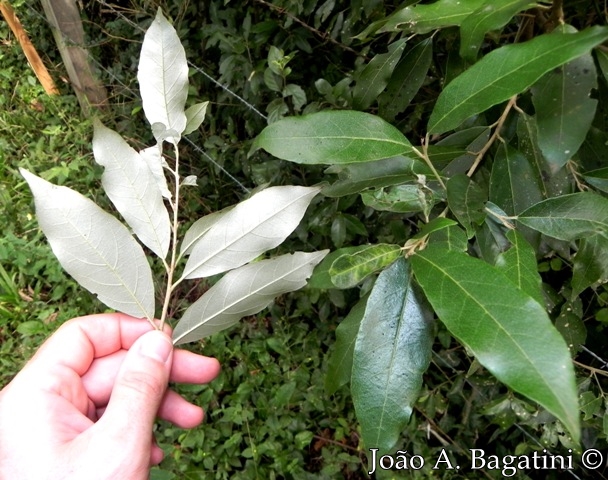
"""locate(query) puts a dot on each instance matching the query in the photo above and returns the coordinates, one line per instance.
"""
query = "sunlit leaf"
(94, 248)
(507, 71)
(392, 352)
(249, 229)
(163, 79)
(569, 217)
(564, 109)
(244, 291)
(491, 15)
(351, 268)
(508, 331)
(375, 75)
(332, 137)
(340, 363)
(133, 189)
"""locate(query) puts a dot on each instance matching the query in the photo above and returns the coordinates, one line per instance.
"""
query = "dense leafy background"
(269, 413)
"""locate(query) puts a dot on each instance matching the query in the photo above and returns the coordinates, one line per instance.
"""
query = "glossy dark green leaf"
(406, 80)
(392, 352)
(598, 178)
(356, 177)
(518, 264)
(564, 109)
(332, 137)
(451, 238)
(509, 332)
(435, 225)
(491, 15)
(351, 268)
(507, 71)
(340, 364)
(514, 185)
(590, 264)
(425, 18)
(551, 183)
(400, 198)
(569, 217)
(572, 328)
(375, 75)
(466, 201)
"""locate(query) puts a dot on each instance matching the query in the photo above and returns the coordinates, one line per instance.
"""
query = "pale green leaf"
(406, 80)
(133, 189)
(423, 18)
(507, 71)
(392, 352)
(94, 248)
(564, 109)
(590, 263)
(508, 331)
(249, 229)
(244, 291)
(492, 15)
(163, 79)
(351, 268)
(569, 217)
(375, 75)
(195, 115)
(519, 265)
(466, 200)
(340, 363)
(332, 137)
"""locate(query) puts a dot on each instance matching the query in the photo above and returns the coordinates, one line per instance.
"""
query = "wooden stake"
(30, 52)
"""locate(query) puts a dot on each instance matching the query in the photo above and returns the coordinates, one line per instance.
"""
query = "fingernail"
(156, 345)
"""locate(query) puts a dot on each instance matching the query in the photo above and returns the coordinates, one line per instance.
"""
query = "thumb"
(139, 389)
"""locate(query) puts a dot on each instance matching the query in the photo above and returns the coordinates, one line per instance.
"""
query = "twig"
(425, 156)
(498, 126)
(595, 371)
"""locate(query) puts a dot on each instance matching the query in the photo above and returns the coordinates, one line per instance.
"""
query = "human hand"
(84, 406)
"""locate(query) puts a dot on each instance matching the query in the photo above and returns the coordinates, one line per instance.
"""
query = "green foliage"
(490, 184)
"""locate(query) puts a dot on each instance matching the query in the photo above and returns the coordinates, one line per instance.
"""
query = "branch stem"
(496, 134)
(175, 225)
